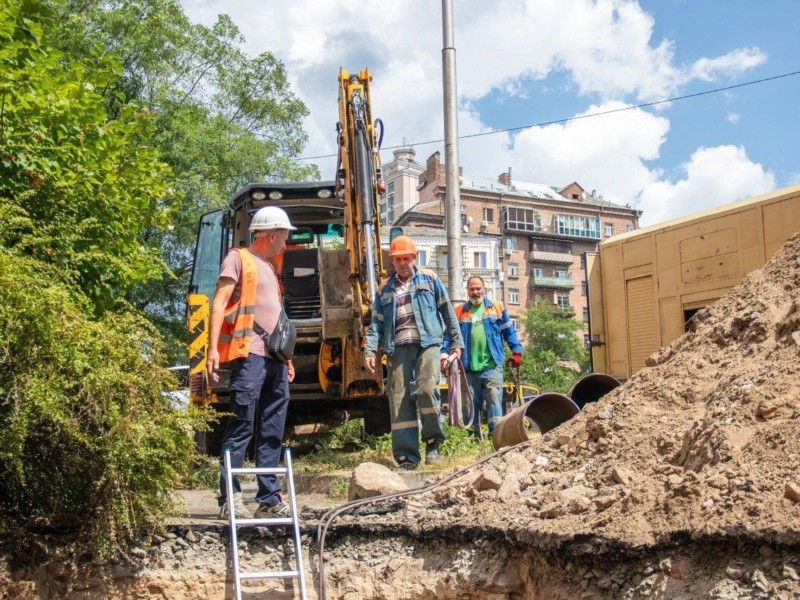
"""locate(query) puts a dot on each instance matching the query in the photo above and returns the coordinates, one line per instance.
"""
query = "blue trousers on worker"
(413, 381)
(487, 386)
(259, 396)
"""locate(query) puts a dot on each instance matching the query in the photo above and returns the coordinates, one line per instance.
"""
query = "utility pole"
(455, 286)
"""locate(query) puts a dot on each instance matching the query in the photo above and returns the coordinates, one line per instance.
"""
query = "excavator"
(329, 273)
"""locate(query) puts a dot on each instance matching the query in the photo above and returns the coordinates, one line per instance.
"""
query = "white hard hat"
(271, 217)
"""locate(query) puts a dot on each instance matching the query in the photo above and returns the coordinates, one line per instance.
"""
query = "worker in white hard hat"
(247, 295)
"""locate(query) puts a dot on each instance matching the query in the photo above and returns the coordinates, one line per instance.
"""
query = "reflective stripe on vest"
(237, 324)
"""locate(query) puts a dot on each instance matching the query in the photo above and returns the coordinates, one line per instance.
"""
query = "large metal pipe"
(591, 388)
(540, 415)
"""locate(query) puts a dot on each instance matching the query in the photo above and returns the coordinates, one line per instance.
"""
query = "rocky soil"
(682, 483)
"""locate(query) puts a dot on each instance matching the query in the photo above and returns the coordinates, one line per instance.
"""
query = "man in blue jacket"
(484, 326)
(407, 317)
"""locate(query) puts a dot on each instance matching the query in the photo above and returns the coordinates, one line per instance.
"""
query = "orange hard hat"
(402, 246)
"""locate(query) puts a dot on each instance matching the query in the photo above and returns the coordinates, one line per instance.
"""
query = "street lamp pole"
(453, 186)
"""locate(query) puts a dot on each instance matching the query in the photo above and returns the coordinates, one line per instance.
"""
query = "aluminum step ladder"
(235, 523)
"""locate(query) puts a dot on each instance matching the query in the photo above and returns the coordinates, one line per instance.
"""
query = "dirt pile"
(700, 448)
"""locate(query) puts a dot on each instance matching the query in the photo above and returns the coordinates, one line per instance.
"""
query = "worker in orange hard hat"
(407, 317)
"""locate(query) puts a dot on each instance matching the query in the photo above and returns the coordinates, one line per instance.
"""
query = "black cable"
(568, 119)
(328, 517)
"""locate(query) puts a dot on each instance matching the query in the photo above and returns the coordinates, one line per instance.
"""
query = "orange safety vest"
(237, 324)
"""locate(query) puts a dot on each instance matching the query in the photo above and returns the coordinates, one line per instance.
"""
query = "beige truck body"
(645, 285)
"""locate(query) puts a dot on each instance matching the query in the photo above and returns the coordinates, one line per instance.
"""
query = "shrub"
(87, 439)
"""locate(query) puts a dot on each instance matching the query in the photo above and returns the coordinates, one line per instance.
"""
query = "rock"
(489, 479)
(563, 439)
(371, 479)
(789, 573)
(792, 491)
(190, 536)
(622, 475)
(541, 461)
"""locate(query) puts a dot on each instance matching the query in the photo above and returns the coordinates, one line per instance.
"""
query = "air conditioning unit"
(508, 252)
(484, 223)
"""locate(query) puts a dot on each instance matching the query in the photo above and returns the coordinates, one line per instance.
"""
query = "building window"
(584, 287)
(513, 296)
(574, 196)
(513, 270)
(383, 207)
(463, 220)
(628, 227)
(479, 260)
(511, 242)
(587, 342)
(390, 187)
(523, 219)
(488, 215)
(422, 258)
(609, 229)
(585, 315)
(515, 323)
(561, 274)
(463, 208)
(537, 272)
(562, 301)
(583, 227)
(443, 263)
(390, 216)
(391, 201)
(555, 246)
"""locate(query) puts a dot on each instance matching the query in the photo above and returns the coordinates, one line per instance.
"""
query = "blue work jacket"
(431, 306)
(497, 325)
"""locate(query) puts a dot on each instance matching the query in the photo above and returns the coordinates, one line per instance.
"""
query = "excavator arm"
(360, 185)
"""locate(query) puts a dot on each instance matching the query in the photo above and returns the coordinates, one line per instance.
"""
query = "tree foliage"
(87, 439)
(551, 346)
(76, 189)
(86, 436)
(223, 119)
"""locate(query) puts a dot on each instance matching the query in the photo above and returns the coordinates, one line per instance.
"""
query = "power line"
(597, 114)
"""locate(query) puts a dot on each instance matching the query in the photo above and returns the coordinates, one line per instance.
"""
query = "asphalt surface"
(199, 507)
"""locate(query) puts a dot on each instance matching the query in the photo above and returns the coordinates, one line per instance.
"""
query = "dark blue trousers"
(259, 395)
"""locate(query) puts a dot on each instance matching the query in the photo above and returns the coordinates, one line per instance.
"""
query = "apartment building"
(541, 231)
(401, 177)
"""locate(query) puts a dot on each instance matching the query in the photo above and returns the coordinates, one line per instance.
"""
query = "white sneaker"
(239, 509)
(279, 510)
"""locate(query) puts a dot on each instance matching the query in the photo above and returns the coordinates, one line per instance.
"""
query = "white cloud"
(732, 118)
(714, 176)
(609, 152)
(732, 63)
(603, 48)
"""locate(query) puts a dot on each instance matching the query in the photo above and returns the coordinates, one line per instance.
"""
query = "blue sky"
(522, 63)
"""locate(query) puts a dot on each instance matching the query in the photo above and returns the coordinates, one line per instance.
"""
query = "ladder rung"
(269, 575)
(267, 521)
(260, 471)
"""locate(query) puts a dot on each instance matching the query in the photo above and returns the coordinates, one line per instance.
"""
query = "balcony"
(556, 283)
(551, 257)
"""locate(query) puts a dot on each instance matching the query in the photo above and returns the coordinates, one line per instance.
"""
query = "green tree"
(223, 119)
(76, 190)
(87, 439)
(552, 344)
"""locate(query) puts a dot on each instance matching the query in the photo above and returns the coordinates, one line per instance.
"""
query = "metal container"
(591, 388)
(540, 415)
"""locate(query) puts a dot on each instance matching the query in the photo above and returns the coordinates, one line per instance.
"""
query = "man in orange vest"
(248, 293)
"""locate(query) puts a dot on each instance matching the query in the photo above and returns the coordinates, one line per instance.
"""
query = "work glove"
(514, 360)
(443, 365)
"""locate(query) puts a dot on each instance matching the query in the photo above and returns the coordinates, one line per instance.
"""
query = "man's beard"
(476, 301)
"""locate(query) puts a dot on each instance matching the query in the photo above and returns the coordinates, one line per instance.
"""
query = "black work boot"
(432, 452)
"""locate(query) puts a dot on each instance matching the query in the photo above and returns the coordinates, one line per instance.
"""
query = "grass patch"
(345, 447)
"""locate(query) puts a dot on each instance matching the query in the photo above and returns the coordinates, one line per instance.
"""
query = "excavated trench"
(368, 559)
(682, 483)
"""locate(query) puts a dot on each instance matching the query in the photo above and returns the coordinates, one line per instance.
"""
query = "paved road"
(199, 507)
